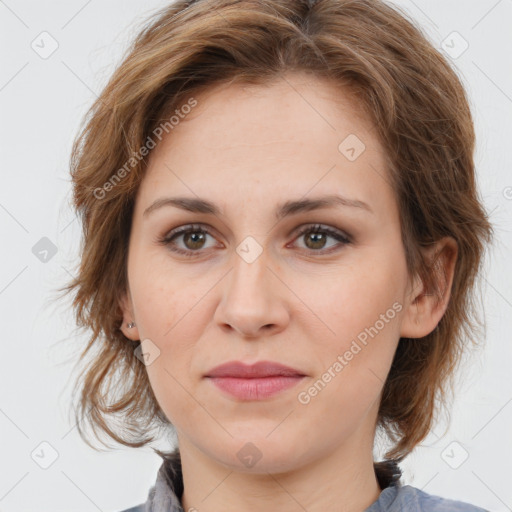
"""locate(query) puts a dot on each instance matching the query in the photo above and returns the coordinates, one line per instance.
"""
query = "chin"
(258, 454)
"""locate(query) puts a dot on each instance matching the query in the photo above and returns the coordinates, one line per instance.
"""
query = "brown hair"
(419, 110)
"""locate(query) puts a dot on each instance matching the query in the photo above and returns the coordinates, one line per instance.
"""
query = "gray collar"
(165, 495)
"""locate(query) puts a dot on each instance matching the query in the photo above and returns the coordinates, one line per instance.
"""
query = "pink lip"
(254, 382)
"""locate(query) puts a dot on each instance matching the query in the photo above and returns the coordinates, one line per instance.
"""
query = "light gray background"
(41, 104)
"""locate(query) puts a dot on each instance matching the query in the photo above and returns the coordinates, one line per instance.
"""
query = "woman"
(282, 235)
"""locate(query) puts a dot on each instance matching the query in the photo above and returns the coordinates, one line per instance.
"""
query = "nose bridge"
(251, 255)
(250, 301)
(249, 278)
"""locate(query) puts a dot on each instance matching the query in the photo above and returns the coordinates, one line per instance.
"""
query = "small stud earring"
(130, 325)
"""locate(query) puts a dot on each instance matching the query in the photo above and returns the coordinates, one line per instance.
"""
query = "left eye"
(194, 239)
(316, 237)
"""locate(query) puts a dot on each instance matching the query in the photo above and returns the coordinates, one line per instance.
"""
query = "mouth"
(256, 381)
(254, 389)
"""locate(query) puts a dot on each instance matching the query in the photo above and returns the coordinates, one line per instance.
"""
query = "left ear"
(424, 307)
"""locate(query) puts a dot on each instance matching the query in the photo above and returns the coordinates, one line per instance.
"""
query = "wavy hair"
(419, 110)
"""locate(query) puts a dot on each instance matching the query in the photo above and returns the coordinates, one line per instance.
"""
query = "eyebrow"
(198, 205)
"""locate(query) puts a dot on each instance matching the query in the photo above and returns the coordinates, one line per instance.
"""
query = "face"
(323, 290)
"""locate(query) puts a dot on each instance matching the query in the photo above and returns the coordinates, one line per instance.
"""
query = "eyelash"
(316, 228)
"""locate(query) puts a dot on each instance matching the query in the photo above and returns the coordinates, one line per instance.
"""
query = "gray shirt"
(165, 495)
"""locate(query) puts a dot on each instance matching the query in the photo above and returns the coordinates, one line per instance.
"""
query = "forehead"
(295, 135)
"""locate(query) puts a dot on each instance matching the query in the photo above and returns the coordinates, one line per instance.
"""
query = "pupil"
(197, 238)
(318, 239)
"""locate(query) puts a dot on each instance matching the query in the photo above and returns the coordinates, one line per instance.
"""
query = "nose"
(253, 302)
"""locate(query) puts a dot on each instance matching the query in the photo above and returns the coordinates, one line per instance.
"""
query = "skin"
(300, 303)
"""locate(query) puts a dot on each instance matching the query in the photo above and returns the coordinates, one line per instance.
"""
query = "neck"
(343, 479)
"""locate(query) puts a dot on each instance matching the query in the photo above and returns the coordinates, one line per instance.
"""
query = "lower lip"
(257, 388)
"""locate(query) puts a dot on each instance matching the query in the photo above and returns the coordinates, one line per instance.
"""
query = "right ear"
(126, 305)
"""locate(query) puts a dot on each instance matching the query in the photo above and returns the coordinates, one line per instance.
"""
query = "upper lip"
(259, 369)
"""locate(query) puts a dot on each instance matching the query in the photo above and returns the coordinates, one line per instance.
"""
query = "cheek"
(169, 314)
(170, 394)
(351, 378)
(163, 296)
(362, 311)
(172, 320)
(352, 300)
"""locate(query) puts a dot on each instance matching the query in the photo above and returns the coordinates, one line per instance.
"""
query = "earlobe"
(128, 326)
(427, 304)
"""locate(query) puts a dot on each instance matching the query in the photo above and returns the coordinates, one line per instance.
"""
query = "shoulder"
(405, 498)
(415, 499)
(138, 508)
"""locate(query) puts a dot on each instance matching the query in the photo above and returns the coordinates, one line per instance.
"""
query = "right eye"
(193, 237)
